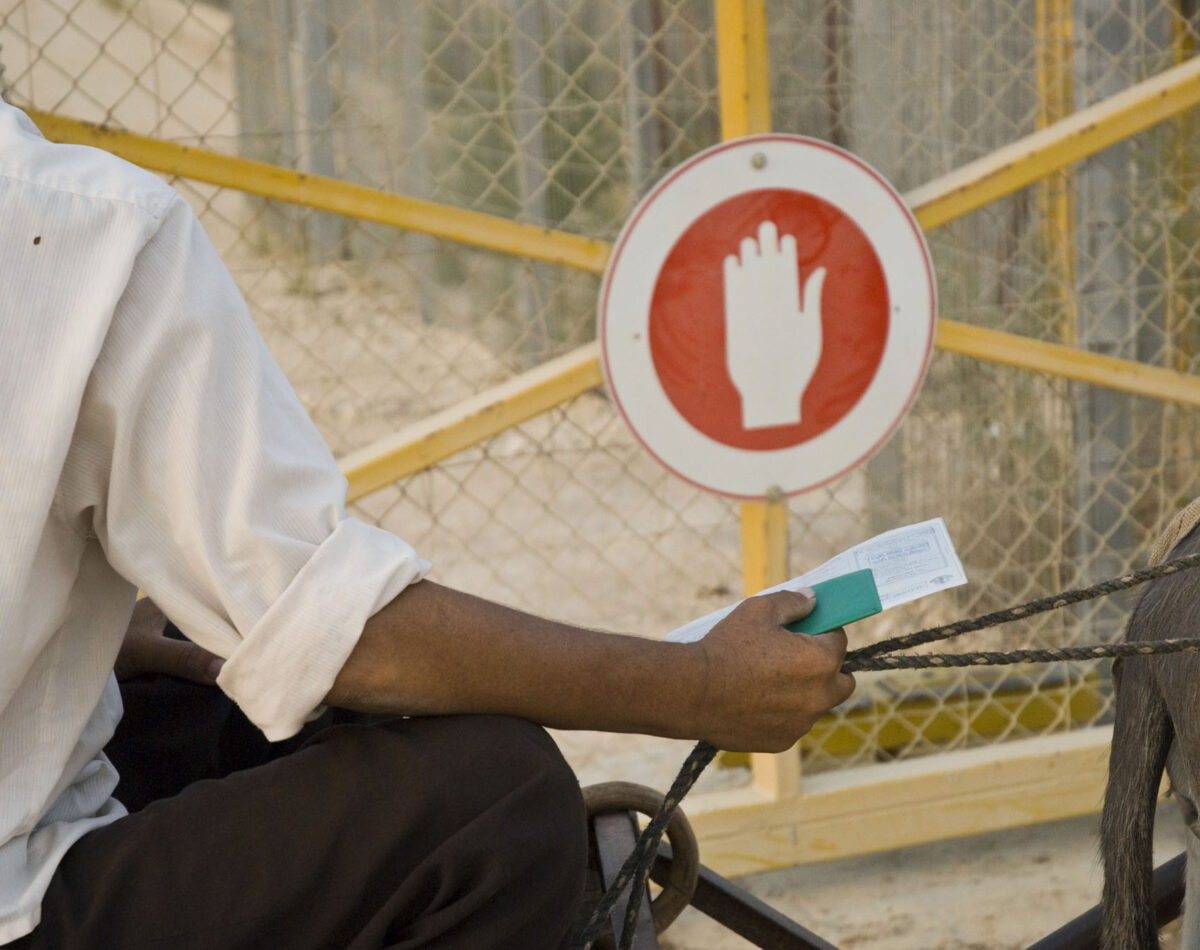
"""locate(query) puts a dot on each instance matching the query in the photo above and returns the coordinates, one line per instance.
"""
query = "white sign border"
(660, 219)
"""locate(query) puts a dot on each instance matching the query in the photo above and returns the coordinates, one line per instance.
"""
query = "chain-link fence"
(561, 113)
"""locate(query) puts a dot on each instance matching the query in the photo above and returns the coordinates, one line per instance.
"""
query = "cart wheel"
(677, 892)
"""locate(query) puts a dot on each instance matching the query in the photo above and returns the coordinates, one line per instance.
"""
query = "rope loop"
(875, 656)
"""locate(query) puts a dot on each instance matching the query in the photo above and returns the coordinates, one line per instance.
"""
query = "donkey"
(1157, 725)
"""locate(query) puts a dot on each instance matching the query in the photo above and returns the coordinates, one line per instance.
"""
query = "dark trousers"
(447, 832)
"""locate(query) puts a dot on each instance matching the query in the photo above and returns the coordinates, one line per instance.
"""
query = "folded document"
(907, 563)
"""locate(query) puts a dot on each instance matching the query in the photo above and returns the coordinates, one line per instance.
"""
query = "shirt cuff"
(287, 663)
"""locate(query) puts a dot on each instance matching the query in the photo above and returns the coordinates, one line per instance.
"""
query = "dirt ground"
(1000, 891)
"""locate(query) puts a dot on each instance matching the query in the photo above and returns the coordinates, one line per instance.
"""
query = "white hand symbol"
(772, 346)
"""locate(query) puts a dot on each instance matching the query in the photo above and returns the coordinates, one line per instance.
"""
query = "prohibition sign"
(767, 316)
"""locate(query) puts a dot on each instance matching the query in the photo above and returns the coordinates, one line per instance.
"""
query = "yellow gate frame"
(772, 823)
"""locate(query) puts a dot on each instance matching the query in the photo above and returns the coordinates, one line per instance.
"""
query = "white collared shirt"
(147, 439)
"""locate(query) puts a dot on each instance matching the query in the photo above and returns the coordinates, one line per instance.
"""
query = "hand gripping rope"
(877, 656)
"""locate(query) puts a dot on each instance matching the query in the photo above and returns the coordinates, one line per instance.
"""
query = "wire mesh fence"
(562, 113)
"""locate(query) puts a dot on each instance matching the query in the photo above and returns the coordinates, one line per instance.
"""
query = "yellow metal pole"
(331, 194)
(745, 100)
(764, 542)
(1056, 196)
(944, 199)
(1181, 170)
(1056, 202)
(764, 564)
(1011, 349)
(1084, 133)
(958, 193)
(490, 413)
(743, 79)
(758, 74)
(744, 92)
(480, 417)
(732, 91)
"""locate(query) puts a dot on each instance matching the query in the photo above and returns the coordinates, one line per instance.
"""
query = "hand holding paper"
(907, 563)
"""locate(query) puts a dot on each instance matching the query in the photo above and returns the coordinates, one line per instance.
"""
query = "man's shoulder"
(36, 166)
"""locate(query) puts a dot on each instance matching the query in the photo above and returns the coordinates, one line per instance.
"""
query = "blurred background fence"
(561, 113)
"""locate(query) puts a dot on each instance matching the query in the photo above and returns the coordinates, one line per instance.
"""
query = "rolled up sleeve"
(215, 493)
(287, 662)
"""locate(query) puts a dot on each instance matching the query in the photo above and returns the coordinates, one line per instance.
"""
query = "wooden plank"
(882, 807)
(777, 774)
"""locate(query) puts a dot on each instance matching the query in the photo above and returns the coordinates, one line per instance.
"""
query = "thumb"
(812, 291)
(793, 605)
(186, 660)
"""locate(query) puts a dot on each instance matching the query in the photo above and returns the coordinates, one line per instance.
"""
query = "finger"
(732, 266)
(146, 614)
(787, 247)
(812, 291)
(834, 641)
(768, 238)
(186, 661)
(749, 250)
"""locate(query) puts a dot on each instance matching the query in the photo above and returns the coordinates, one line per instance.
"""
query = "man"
(149, 441)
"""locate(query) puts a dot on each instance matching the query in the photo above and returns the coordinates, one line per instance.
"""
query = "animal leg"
(1190, 933)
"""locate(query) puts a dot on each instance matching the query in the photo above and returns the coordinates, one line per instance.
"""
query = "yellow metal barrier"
(1058, 145)
(1040, 154)
(742, 76)
(331, 194)
(1009, 349)
(1018, 165)
(482, 416)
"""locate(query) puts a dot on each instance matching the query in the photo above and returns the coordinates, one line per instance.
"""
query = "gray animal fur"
(1157, 721)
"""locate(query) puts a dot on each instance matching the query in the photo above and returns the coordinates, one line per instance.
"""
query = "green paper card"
(840, 600)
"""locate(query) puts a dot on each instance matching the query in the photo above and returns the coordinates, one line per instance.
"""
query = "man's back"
(72, 221)
(149, 440)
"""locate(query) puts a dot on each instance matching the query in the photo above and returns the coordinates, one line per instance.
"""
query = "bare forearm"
(436, 651)
(749, 685)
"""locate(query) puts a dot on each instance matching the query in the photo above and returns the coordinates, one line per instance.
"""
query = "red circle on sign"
(687, 315)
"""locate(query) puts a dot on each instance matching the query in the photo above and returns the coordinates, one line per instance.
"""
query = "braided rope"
(1049, 655)
(1033, 607)
(636, 868)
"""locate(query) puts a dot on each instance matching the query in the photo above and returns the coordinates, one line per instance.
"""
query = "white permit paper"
(907, 563)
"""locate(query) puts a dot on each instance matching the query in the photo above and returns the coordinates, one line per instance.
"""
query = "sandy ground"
(1000, 891)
